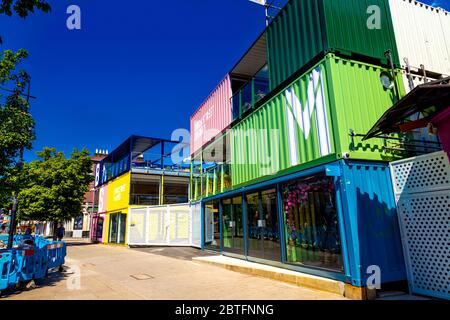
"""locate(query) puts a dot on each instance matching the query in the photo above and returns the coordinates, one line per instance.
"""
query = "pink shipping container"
(213, 116)
(442, 123)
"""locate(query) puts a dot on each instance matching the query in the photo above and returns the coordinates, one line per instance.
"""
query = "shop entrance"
(233, 225)
(212, 226)
(263, 234)
(117, 228)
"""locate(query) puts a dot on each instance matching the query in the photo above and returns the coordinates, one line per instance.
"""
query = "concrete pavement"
(103, 272)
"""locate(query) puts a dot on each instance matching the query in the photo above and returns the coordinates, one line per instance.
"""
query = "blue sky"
(138, 67)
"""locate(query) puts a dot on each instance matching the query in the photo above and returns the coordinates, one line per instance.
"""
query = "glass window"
(233, 228)
(122, 227)
(261, 89)
(247, 97)
(144, 190)
(263, 235)
(226, 176)
(236, 103)
(175, 190)
(113, 224)
(212, 226)
(312, 229)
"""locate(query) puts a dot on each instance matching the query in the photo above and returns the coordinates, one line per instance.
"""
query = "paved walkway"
(109, 272)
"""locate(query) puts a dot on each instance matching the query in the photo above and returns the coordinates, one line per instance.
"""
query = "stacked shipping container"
(305, 30)
(213, 116)
(331, 79)
(422, 34)
(309, 122)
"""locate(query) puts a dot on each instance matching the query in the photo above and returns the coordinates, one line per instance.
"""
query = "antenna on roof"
(267, 4)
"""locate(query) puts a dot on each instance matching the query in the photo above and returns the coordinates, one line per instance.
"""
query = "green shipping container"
(306, 29)
(309, 122)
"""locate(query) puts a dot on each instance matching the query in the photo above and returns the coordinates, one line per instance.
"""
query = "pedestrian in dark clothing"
(28, 231)
(60, 232)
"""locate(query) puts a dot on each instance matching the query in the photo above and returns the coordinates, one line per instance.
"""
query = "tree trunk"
(55, 229)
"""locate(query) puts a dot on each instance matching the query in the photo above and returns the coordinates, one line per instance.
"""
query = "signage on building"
(119, 193)
(103, 199)
(97, 174)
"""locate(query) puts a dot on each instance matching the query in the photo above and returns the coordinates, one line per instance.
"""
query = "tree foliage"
(54, 186)
(16, 123)
(23, 7)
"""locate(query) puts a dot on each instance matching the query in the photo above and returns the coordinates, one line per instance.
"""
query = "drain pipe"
(408, 73)
(388, 55)
(422, 67)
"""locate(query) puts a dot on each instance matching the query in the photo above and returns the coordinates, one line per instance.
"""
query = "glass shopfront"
(263, 234)
(311, 223)
(233, 225)
(117, 228)
(212, 226)
(252, 228)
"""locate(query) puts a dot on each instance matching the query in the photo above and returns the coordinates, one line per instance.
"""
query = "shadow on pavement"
(51, 280)
(181, 253)
(77, 244)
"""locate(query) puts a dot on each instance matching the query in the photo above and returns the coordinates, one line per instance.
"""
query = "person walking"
(28, 231)
(60, 232)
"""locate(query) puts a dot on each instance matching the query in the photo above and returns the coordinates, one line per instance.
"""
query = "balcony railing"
(253, 91)
(144, 199)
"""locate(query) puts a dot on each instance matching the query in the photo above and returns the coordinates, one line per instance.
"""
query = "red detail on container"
(28, 253)
(213, 116)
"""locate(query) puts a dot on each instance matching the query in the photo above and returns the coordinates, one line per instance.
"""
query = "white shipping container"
(420, 35)
(444, 17)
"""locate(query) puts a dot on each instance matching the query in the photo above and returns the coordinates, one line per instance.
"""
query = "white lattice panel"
(179, 228)
(196, 225)
(425, 226)
(157, 226)
(426, 173)
(138, 224)
(165, 225)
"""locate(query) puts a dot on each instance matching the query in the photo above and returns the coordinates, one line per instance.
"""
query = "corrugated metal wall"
(213, 116)
(350, 27)
(444, 16)
(357, 101)
(289, 45)
(291, 129)
(305, 29)
(312, 118)
(370, 218)
(422, 35)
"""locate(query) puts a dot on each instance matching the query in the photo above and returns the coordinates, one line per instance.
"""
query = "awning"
(134, 145)
(253, 60)
(428, 99)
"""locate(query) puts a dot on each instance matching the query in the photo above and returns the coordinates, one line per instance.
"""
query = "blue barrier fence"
(30, 258)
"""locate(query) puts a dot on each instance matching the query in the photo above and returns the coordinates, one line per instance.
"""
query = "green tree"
(16, 123)
(23, 7)
(54, 186)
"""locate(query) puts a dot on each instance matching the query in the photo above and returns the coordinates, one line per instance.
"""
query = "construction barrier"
(31, 258)
(5, 268)
(56, 252)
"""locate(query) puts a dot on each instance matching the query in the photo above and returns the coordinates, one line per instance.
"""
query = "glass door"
(99, 230)
(122, 228)
(263, 235)
(212, 226)
(117, 228)
(113, 224)
(233, 228)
